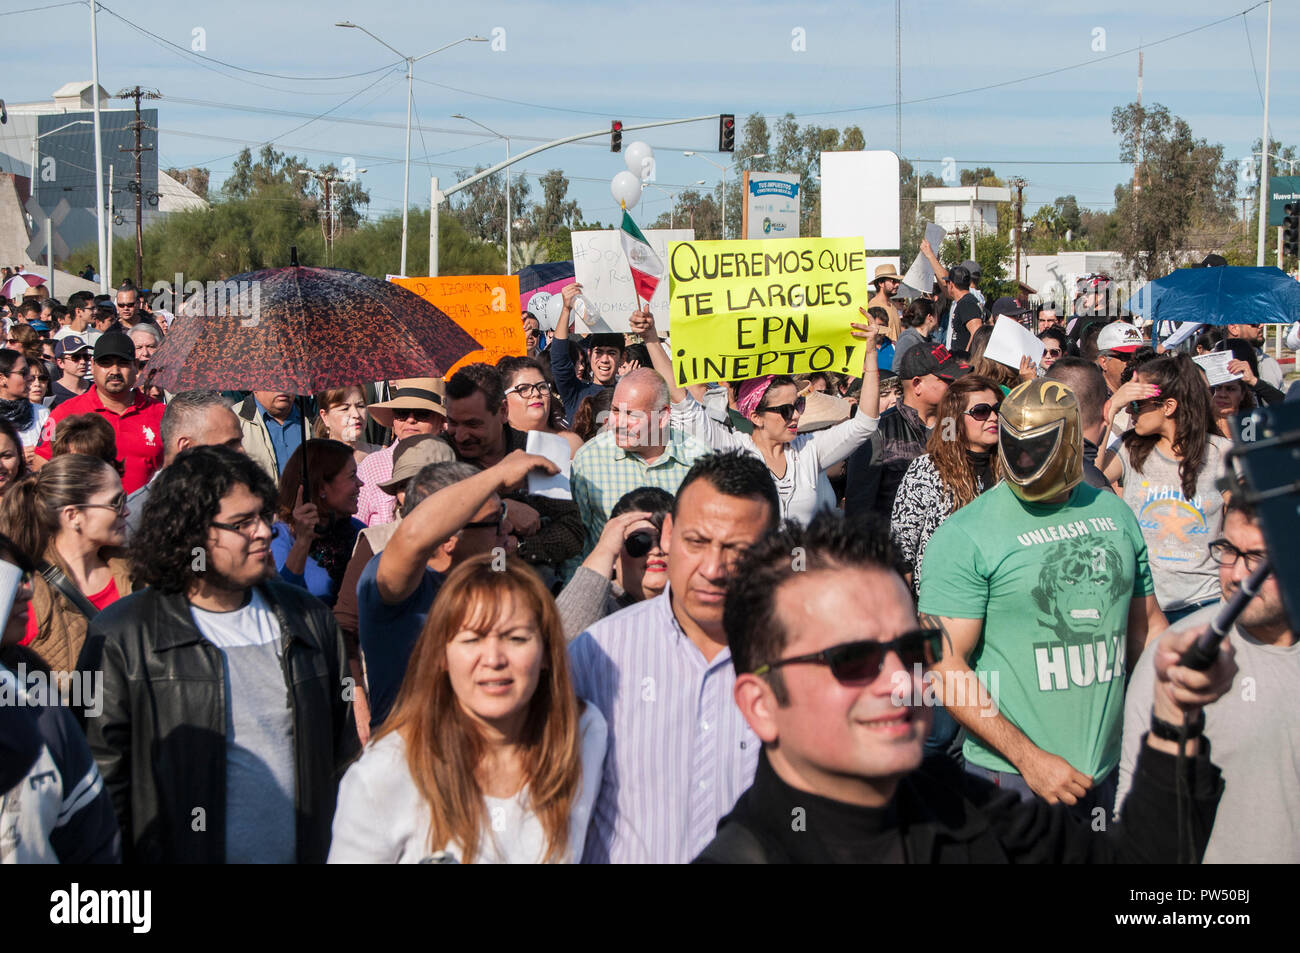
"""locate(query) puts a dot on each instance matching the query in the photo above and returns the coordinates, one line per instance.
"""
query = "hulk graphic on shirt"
(1080, 584)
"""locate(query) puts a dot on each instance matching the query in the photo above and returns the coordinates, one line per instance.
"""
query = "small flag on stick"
(645, 265)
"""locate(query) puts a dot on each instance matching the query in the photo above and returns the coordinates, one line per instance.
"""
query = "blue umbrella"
(1224, 295)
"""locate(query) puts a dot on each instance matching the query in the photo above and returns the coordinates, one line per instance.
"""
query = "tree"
(693, 209)
(1180, 182)
(992, 252)
(196, 180)
(481, 207)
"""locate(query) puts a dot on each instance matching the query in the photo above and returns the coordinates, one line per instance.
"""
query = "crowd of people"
(930, 611)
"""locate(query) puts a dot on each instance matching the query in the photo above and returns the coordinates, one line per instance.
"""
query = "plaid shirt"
(602, 473)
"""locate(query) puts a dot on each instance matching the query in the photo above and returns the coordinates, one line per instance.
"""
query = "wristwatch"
(1168, 731)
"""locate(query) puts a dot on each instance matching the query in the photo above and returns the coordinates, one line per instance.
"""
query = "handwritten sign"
(600, 266)
(742, 309)
(486, 306)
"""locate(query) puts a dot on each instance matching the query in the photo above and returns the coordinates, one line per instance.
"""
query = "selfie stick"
(1205, 650)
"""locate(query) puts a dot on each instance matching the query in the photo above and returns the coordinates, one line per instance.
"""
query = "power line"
(519, 102)
(52, 6)
(1025, 79)
(242, 69)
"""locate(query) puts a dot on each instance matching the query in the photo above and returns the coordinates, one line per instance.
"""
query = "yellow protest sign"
(485, 306)
(740, 309)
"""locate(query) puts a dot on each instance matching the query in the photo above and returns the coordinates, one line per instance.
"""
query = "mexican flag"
(646, 267)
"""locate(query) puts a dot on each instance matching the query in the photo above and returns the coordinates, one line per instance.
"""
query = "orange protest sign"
(486, 306)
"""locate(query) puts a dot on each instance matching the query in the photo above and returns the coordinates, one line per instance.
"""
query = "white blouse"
(806, 456)
(382, 818)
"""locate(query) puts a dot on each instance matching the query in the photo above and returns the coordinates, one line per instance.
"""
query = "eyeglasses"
(491, 523)
(1135, 406)
(118, 505)
(414, 413)
(787, 411)
(983, 412)
(527, 391)
(1226, 554)
(249, 525)
(862, 661)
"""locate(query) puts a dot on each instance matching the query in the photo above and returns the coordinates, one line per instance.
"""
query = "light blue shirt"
(285, 437)
(680, 753)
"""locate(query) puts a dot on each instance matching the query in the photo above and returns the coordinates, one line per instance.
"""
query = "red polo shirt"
(138, 431)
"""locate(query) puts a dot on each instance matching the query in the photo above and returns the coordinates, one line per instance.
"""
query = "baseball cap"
(973, 267)
(114, 344)
(959, 275)
(1120, 337)
(922, 359)
(1008, 306)
(70, 344)
(412, 455)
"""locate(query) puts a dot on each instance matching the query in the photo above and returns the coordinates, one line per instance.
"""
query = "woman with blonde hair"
(70, 519)
(487, 755)
(341, 415)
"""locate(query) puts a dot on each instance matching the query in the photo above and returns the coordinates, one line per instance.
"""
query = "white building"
(968, 209)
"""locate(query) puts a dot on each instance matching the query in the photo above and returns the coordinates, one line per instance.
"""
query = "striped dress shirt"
(680, 753)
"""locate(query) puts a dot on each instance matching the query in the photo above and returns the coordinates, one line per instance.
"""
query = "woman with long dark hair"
(314, 537)
(531, 401)
(1168, 467)
(13, 462)
(487, 755)
(16, 373)
(959, 464)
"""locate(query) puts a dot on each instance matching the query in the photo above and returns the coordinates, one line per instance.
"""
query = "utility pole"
(327, 181)
(1137, 186)
(136, 93)
(898, 75)
(1019, 185)
(1263, 145)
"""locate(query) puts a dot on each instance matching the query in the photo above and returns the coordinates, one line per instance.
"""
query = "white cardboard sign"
(600, 266)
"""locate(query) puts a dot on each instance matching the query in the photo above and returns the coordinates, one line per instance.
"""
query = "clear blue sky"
(594, 62)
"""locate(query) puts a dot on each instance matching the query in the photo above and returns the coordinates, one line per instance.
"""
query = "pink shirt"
(374, 506)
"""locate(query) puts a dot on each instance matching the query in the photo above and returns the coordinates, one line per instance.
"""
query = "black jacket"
(877, 467)
(160, 741)
(943, 815)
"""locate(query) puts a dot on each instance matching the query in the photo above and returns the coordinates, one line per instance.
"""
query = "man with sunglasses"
(81, 306)
(72, 354)
(1256, 725)
(830, 674)
(1045, 591)
(877, 467)
(135, 417)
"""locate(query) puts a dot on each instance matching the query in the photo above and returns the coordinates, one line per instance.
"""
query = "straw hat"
(413, 393)
(886, 271)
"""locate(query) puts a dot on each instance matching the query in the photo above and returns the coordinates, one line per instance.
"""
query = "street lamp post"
(509, 222)
(724, 168)
(410, 92)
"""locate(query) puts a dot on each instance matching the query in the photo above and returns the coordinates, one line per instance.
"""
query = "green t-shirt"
(1053, 585)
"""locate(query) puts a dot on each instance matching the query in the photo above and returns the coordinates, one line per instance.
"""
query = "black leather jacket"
(877, 467)
(160, 741)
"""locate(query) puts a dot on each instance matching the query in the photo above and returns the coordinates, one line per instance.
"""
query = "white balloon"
(640, 159)
(553, 309)
(626, 189)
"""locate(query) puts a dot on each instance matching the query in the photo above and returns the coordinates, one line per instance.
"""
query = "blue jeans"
(1101, 794)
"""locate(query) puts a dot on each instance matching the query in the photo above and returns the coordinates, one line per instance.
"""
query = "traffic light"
(726, 133)
(1291, 229)
(616, 136)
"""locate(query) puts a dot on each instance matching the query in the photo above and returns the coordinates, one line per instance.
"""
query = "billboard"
(771, 208)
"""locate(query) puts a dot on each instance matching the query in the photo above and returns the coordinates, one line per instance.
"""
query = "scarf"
(982, 463)
(18, 412)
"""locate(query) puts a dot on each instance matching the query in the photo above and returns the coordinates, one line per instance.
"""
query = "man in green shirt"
(1044, 595)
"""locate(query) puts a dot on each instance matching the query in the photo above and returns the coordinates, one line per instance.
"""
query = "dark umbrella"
(301, 330)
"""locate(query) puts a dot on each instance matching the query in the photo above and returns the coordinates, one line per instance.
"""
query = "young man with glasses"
(225, 726)
(135, 417)
(831, 672)
(81, 307)
(1256, 725)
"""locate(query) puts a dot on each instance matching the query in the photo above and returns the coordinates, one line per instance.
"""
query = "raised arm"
(442, 516)
(642, 322)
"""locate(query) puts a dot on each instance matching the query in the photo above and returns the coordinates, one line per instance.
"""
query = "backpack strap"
(56, 578)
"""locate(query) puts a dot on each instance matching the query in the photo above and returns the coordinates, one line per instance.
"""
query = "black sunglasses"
(862, 661)
(640, 543)
(787, 411)
(983, 412)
